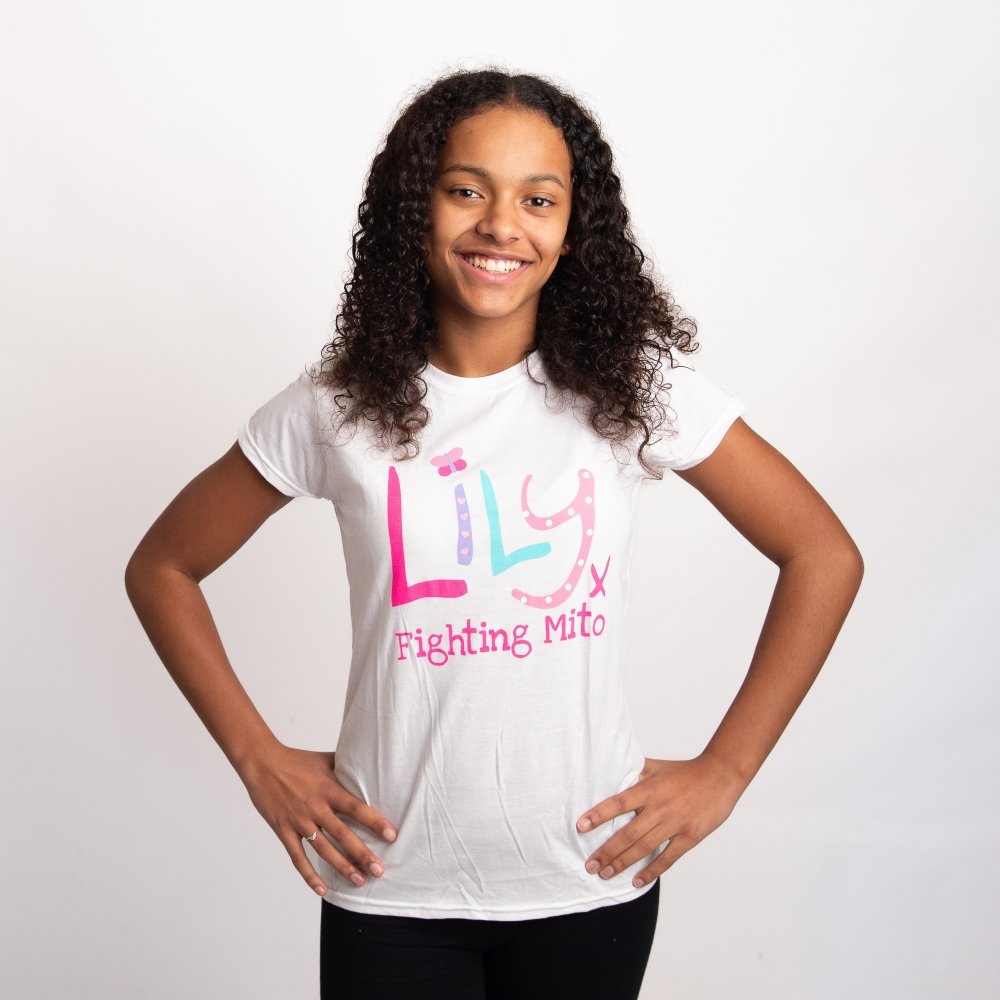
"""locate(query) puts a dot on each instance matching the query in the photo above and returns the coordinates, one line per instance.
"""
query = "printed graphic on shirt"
(447, 464)
(439, 645)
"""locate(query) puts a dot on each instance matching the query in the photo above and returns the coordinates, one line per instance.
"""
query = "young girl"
(504, 375)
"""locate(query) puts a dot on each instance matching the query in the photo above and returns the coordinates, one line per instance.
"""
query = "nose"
(499, 221)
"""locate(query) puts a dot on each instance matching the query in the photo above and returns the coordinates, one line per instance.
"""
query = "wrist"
(251, 757)
(737, 775)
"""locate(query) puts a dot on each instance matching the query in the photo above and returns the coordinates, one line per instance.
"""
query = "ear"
(565, 250)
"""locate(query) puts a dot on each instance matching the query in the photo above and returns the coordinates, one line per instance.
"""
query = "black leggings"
(600, 954)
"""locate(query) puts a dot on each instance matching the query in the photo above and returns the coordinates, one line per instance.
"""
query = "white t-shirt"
(489, 581)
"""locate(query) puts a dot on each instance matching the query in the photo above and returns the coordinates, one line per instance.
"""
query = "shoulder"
(698, 409)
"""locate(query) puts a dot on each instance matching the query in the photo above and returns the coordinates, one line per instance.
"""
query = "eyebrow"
(465, 168)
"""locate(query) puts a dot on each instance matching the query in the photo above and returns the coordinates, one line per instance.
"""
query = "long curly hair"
(605, 325)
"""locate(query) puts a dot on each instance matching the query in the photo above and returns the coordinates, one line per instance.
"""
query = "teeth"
(492, 264)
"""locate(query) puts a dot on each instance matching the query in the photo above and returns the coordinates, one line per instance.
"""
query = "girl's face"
(499, 212)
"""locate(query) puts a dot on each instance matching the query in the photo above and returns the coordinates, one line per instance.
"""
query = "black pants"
(596, 955)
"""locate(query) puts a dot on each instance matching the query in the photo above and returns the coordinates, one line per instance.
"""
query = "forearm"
(811, 599)
(172, 609)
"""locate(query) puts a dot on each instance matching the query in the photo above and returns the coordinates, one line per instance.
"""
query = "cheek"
(443, 220)
(438, 240)
(434, 246)
(555, 251)
(552, 239)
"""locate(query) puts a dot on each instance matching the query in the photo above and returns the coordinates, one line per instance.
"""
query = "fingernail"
(375, 868)
(358, 879)
(592, 866)
(389, 833)
(584, 824)
(638, 882)
(320, 889)
(608, 872)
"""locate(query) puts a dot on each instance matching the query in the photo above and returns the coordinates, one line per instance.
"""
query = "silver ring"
(313, 837)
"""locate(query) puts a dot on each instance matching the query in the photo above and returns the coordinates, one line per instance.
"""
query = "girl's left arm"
(820, 568)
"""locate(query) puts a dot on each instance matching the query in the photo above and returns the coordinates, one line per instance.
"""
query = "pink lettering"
(403, 592)
(581, 506)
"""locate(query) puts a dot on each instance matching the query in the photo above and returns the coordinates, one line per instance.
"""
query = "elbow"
(859, 563)
(859, 568)
(133, 575)
(138, 571)
(832, 557)
(851, 556)
(845, 561)
(149, 568)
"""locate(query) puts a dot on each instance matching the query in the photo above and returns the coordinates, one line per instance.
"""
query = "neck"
(479, 346)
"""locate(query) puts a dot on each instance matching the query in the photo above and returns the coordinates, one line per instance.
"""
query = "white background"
(815, 182)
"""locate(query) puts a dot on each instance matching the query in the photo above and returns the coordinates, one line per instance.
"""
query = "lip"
(495, 254)
(492, 277)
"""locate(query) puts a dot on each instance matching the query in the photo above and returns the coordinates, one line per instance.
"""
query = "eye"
(537, 198)
(462, 192)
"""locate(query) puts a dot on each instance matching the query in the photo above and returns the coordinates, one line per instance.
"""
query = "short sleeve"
(699, 412)
(284, 440)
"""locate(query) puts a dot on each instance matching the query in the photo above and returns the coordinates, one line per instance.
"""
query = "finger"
(328, 851)
(677, 848)
(614, 805)
(605, 860)
(293, 845)
(359, 810)
(642, 844)
(350, 844)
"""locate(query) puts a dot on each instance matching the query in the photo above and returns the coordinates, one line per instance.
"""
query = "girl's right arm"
(296, 791)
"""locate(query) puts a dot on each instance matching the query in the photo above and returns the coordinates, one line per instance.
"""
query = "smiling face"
(499, 212)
